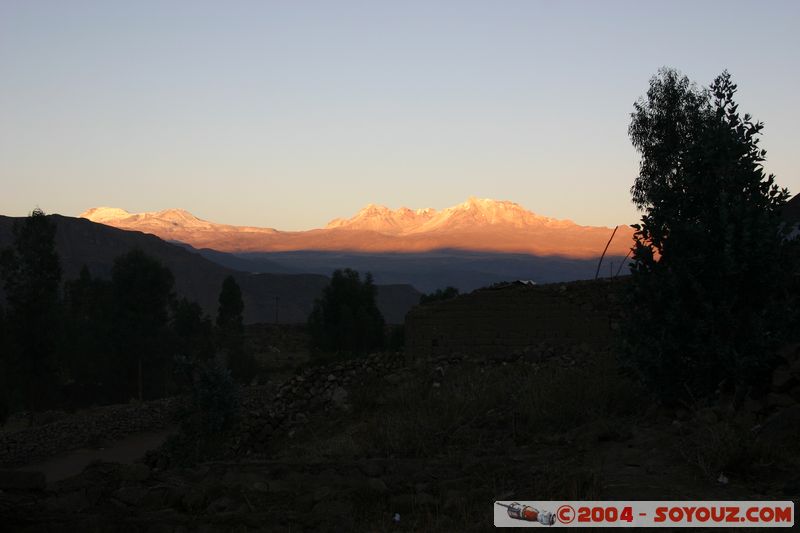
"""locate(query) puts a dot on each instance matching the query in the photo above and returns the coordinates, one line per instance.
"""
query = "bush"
(205, 425)
(214, 397)
(441, 294)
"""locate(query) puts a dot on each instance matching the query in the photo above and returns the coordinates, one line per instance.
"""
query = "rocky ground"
(347, 446)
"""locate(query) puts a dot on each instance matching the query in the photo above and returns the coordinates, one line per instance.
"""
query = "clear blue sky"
(287, 114)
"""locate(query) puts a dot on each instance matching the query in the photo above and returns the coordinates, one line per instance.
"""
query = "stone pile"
(89, 428)
(313, 389)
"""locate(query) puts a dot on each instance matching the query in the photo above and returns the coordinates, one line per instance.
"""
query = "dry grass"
(726, 448)
(477, 408)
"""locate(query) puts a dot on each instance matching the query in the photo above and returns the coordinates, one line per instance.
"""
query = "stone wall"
(515, 317)
(92, 427)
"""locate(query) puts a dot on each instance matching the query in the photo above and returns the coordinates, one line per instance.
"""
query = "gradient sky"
(287, 114)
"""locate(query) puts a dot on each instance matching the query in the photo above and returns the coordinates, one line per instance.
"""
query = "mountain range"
(288, 298)
(477, 225)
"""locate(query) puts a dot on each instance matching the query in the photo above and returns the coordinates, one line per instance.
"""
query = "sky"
(289, 114)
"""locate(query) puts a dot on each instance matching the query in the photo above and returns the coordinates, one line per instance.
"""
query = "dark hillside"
(80, 241)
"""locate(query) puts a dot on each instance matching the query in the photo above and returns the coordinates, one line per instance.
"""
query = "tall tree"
(230, 330)
(707, 268)
(346, 317)
(194, 331)
(31, 275)
(5, 407)
(88, 311)
(142, 291)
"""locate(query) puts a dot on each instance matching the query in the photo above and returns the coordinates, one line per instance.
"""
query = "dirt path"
(126, 450)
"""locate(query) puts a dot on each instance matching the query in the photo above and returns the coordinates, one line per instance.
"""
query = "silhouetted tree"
(5, 406)
(88, 342)
(707, 259)
(230, 331)
(441, 294)
(346, 317)
(142, 290)
(193, 330)
(31, 275)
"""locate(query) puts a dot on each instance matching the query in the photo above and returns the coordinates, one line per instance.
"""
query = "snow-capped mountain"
(477, 224)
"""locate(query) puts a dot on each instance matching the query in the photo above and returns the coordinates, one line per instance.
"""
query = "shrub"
(441, 294)
(214, 397)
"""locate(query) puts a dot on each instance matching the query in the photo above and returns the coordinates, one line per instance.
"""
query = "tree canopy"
(230, 331)
(31, 274)
(707, 258)
(346, 317)
(142, 291)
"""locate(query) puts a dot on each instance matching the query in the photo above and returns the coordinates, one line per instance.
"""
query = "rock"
(401, 503)
(794, 367)
(22, 480)
(706, 416)
(376, 486)
(371, 468)
(790, 352)
(425, 500)
(321, 493)
(751, 406)
(131, 495)
(792, 488)
(223, 504)
(782, 379)
(339, 397)
(452, 500)
(782, 427)
(779, 400)
(195, 499)
(279, 485)
(265, 432)
(393, 379)
(157, 498)
(503, 357)
(338, 512)
(795, 393)
(72, 502)
(135, 472)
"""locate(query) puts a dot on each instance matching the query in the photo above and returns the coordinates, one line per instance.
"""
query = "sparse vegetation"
(440, 294)
(726, 448)
(470, 405)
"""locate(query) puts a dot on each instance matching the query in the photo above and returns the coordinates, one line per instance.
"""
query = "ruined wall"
(91, 427)
(515, 317)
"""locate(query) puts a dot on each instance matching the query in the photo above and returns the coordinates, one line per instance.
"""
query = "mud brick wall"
(515, 317)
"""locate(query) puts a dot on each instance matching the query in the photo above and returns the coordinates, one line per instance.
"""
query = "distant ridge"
(81, 242)
(474, 225)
